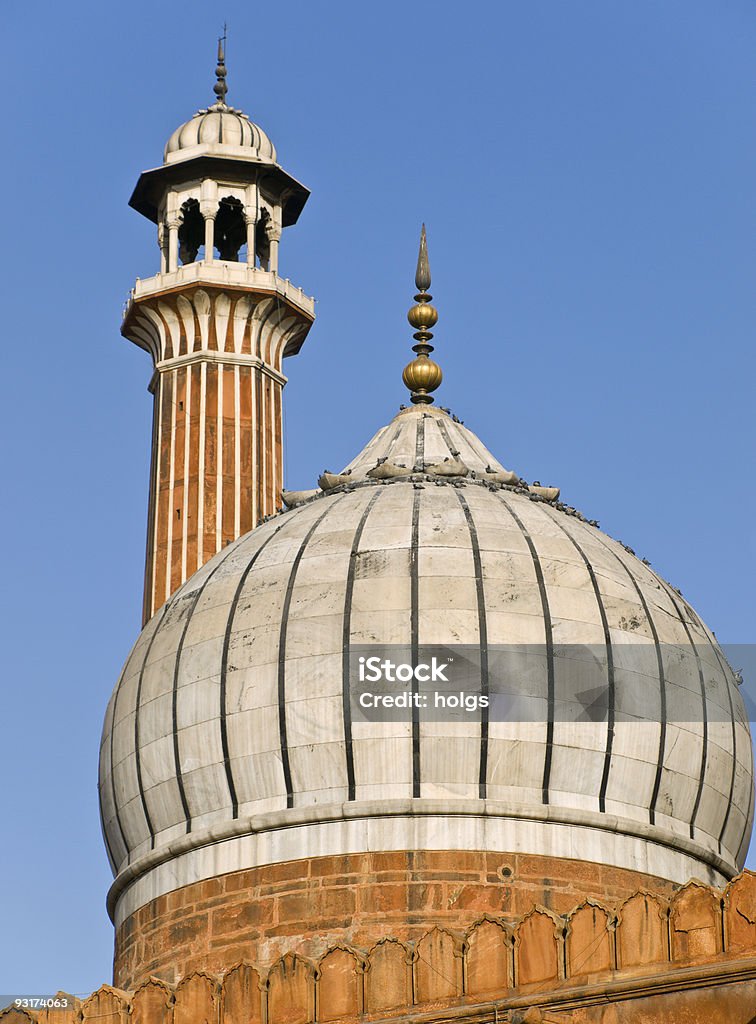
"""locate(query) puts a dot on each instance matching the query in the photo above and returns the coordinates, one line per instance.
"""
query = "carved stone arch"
(13, 1015)
(488, 950)
(196, 1000)
(388, 978)
(230, 228)
(642, 934)
(695, 922)
(438, 966)
(291, 991)
(71, 1014)
(152, 1003)
(191, 232)
(242, 995)
(740, 913)
(340, 983)
(106, 1005)
(589, 939)
(539, 947)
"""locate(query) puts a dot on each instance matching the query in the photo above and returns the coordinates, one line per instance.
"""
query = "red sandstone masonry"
(309, 905)
(531, 959)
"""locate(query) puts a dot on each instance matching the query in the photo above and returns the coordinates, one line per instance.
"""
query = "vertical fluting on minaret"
(217, 323)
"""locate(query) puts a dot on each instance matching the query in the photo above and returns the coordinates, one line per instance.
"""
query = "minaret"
(218, 321)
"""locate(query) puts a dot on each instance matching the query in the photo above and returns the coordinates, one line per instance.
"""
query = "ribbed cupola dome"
(229, 741)
(219, 130)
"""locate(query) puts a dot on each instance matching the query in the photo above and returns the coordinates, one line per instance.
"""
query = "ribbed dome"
(218, 129)
(228, 742)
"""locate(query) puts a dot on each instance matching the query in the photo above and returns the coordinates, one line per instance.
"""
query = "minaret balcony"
(221, 274)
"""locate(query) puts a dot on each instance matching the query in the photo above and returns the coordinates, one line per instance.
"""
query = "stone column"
(209, 237)
(251, 225)
(173, 229)
(163, 247)
(274, 237)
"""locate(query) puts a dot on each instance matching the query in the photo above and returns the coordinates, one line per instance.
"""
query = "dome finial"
(220, 88)
(422, 375)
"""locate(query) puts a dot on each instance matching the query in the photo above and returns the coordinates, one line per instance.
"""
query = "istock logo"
(375, 669)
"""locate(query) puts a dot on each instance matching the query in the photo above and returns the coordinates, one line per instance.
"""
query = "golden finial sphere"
(422, 374)
(423, 315)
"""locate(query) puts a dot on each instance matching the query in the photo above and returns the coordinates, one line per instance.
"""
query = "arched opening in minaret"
(262, 242)
(230, 229)
(191, 233)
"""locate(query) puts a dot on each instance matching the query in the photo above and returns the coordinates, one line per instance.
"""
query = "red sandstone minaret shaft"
(218, 322)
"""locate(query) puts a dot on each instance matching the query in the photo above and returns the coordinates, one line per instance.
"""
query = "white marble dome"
(219, 130)
(228, 743)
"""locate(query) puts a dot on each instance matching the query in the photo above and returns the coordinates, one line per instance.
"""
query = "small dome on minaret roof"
(220, 129)
(219, 143)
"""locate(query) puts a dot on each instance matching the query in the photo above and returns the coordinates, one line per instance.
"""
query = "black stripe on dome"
(112, 776)
(610, 692)
(414, 636)
(346, 642)
(473, 442)
(483, 642)
(546, 612)
(727, 683)
(393, 441)
(662, 690)
(704, 709)
(137, 709)
(701, 680)
(726, 672)
(108, 847)
(174, 703)
(285, 763)
(224, 669)
(420, 444)
(454, 452)
(742, 849)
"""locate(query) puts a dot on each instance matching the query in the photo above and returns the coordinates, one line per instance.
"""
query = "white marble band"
(414, 825)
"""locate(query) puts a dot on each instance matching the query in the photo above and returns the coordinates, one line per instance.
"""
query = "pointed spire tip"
(423, 274)
(422, 375)
(221, 88)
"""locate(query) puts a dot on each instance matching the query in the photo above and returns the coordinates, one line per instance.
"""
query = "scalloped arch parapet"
(696, 924)
(297, 990)
(488, 957)
(340, 978)
(539, 947)
(590, 939)
(438, 966)
(152, 1003)
(388, 978)
(642, 934)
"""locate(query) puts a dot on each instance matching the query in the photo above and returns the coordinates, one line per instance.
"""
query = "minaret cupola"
(217, 320)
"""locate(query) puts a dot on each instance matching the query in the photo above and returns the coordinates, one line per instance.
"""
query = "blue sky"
(585, 169)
